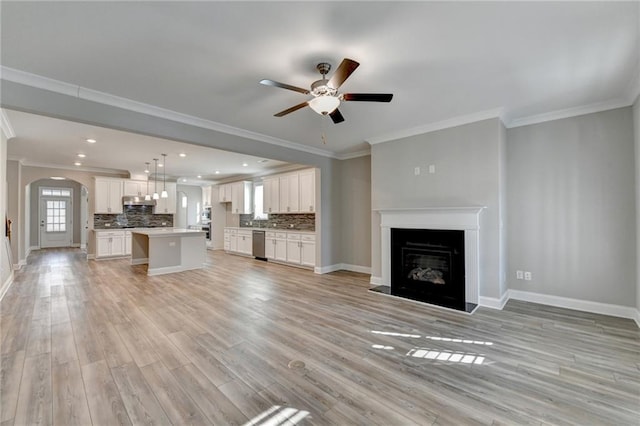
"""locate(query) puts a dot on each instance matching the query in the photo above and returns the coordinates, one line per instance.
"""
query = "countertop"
(166, 232)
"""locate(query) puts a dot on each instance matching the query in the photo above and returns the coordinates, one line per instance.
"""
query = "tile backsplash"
(301, 222)
(137, 216)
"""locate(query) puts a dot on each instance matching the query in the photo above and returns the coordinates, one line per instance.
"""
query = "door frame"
(43, 198)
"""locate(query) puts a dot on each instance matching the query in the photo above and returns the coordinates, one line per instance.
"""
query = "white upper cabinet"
(225, 193)
(135, 187)
(167, 205)
(206, 196)
(289, 193)
(271, 195)
(307, 182)
(242, 197)
(108, 195)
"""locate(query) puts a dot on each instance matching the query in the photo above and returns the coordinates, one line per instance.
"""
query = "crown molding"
(439, 125)
(356, 154)
(27, 163)
(79, 92)
(7, 128)
(569, 112)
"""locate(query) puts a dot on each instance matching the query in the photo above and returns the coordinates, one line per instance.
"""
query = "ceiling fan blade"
(267, 82)
(292, 109)
(336, 116)
(347, 66)
(367, 97)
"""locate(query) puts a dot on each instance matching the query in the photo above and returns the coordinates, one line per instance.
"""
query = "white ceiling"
(441, 60)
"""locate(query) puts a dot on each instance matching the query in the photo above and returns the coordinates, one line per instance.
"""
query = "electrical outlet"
(527, 276)
(432, 168)
(416, 171)
(519, 275)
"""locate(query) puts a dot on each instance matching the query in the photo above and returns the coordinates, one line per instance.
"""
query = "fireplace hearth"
(428, 265)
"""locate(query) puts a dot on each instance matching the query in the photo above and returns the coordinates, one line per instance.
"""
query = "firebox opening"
(428, 265)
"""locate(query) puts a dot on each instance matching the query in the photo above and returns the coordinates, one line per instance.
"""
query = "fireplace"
(431, 255)
(428, 265)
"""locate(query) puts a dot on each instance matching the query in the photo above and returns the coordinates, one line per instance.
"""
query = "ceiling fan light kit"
(326, 98)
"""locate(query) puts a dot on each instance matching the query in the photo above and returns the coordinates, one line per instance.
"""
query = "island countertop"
(167, 232)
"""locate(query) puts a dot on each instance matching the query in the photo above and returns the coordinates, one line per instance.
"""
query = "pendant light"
(155, 183)
(164, 177)
(147, 196)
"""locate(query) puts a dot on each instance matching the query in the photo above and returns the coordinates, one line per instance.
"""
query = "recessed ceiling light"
(92, 140)
(77, 163)
(184, 180)
(160, 165)
(244, 164)
(199, 176)
(217, 172)
(57, 178)
(182, 154)
(82, 155)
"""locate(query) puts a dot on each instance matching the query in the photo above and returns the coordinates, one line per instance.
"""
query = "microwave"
(205, 216)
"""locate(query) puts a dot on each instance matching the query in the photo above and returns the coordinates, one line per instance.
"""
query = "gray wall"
(355, 213)
(35, 210)
(571, 207)
(636, 135)
(468, 167)
(14, 201)
(6, 265)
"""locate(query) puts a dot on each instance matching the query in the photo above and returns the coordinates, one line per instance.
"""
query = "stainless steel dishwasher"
(258, 245)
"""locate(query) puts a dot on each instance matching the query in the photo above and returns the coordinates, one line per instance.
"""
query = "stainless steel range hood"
(131, 200)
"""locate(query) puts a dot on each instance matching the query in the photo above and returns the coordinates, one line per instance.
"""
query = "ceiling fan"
(326, 98)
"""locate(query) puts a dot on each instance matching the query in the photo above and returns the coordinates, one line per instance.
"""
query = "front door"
(55, 220)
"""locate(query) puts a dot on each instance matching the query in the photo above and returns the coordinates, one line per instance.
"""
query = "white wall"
(467, 162)
(571, 208)
(194, 198)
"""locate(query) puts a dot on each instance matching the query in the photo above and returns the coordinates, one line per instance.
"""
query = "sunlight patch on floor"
(277, 416)
(447, 356)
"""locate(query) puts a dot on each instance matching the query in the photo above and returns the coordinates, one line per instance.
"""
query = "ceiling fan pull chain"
(323, 127)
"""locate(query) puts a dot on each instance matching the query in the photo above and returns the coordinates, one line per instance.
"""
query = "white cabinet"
(230, 240)
(224, 193)
(110, 243)
(127, 243)
(167, 205)
(206, 196)
(275, 246)
(271, 195)
(135, 187)
(289, 193)
(245, 242)
(301, 249)
(108, 195)
(308, 250)
(241, 197)
(307, 186)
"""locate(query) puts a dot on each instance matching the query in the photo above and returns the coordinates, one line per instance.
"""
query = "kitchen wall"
(636, 136)
(571, 207)
(355, 213)
(6, 266)
(194, 203)
(34, 203)
(468, 161)
(136, 216)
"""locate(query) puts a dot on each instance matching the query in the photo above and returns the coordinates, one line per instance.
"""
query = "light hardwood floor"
(101, 343)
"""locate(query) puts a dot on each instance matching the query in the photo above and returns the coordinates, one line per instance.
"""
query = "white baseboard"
(83, 246)
(75, 245)
(91, 256)
(17, 266)
(342, 267)
(376, 281)
(577, 304)
(6, 285)
(492, 302)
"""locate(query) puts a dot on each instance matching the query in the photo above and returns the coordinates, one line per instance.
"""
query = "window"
(51, 192)
(56, 216)
(258, 197)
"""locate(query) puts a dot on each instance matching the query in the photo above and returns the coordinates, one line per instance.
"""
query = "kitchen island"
(168, 250)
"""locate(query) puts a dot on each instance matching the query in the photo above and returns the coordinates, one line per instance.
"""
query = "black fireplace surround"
(428, 265)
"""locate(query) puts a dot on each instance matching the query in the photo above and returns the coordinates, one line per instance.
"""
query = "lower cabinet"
(127, 243)
(110, 243)
(295, 248)
(301, 249)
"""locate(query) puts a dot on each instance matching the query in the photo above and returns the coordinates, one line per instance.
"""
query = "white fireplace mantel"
(465, 218)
